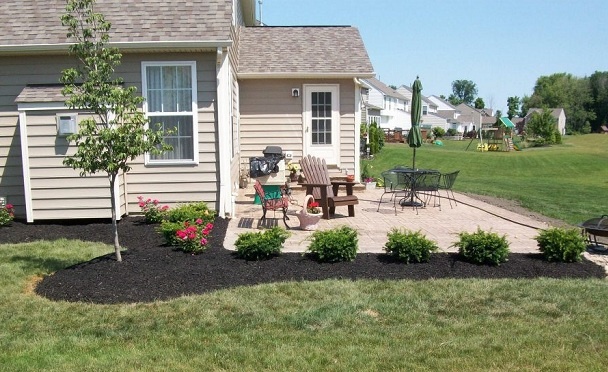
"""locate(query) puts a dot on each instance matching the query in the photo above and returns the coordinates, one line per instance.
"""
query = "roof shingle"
(31, 22)
(303, 50)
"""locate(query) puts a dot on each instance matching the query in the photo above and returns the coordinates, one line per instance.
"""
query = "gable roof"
(410, 92)
(444, 102)
(302, 51)
(385, 89)
(31, 25)
(555, 112)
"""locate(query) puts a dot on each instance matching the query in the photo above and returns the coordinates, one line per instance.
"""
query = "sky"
(503, 46)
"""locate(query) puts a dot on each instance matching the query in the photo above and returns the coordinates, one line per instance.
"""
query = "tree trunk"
(114, 224)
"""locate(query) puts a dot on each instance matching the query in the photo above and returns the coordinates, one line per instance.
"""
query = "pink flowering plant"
(7, 214)
(152, 210)
(193, 237)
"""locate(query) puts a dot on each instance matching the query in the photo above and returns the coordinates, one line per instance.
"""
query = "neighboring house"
(393, 106)
(430, 116)
(558, 113)
(449, 112)
(470, 117)
(240, 88)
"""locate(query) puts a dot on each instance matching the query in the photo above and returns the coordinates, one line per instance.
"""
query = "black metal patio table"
(410, 178)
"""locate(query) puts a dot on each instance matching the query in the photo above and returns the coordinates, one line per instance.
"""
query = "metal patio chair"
(446, 183)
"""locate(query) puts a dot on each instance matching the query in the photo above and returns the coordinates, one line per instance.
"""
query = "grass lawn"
(329, 325)
(568, 182)
(447, 325)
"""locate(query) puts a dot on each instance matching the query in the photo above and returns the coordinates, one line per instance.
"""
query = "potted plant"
(310, 214)
(293, 168)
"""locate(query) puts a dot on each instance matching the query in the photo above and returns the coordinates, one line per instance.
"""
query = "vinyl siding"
(11, 171)
(175, 184)
(59, 192)
(271, 116)
(17, 72)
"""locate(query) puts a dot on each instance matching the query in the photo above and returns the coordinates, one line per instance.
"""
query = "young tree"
(543, 126)
(463, 91)
(479, 104)
(117, 133)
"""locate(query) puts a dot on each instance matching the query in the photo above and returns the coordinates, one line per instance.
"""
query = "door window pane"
(321, 112)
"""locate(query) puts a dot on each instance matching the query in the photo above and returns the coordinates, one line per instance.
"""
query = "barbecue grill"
(595, 227)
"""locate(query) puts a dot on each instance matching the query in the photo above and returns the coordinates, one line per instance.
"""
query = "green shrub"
(483, 247)
(339, 244)
(191, 212)
(176, 217)
(409, 246)
(261, 245)
(192, 238)
(438, 132)
(451, 132)
(563, 245)
(169, 230)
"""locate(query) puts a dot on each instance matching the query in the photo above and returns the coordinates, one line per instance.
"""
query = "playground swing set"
(496, 139)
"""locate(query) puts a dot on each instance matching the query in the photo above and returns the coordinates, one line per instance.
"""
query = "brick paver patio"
(442, 226)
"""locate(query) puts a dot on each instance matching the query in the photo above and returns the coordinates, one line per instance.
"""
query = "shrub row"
(480, 247)
(188, 225)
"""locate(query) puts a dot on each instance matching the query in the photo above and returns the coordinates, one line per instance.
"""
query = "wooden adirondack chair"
(319, 185)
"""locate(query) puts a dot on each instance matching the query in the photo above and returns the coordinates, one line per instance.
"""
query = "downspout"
(225, 205)
(358, 85)
(25, 163)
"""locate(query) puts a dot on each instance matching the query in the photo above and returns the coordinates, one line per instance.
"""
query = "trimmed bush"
(261, 245)
(409, 246)
(562, 245)
(339, 244)
(483, 247)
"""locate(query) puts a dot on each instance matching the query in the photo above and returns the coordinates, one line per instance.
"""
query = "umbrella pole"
(414, 160)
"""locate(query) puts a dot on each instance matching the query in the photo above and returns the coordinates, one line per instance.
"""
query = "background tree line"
(585, 100)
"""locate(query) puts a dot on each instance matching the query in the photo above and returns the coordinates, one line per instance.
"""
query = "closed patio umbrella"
(414, 137)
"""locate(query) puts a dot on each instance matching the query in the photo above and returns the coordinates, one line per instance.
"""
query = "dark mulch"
(151, 271)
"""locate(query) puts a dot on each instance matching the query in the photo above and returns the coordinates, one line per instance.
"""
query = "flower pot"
(293, 177)
(308, 221)
(350, 177)
(370, 185)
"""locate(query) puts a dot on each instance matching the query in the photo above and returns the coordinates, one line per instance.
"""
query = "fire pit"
(595, 227)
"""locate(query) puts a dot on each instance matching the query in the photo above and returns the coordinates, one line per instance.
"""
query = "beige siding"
(271, 116)
(174, 184)
(54, 185)
(17, 72)
(59, 192)
(11, 171)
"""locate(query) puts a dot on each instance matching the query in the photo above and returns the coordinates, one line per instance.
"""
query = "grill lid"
(273, 151)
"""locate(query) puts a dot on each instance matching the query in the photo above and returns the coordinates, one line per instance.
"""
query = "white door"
(322, 122)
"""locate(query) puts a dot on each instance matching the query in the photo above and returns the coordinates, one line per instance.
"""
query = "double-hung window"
(170, 92)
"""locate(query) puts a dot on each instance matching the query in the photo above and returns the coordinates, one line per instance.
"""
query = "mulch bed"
(151, 271)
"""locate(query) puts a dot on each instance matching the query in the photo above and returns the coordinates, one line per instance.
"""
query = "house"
(430, 117)
(449, 112)
(558, 113)
(241, 88)
(394, 108)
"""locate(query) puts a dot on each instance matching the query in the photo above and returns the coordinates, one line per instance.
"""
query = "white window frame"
(193, 112)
